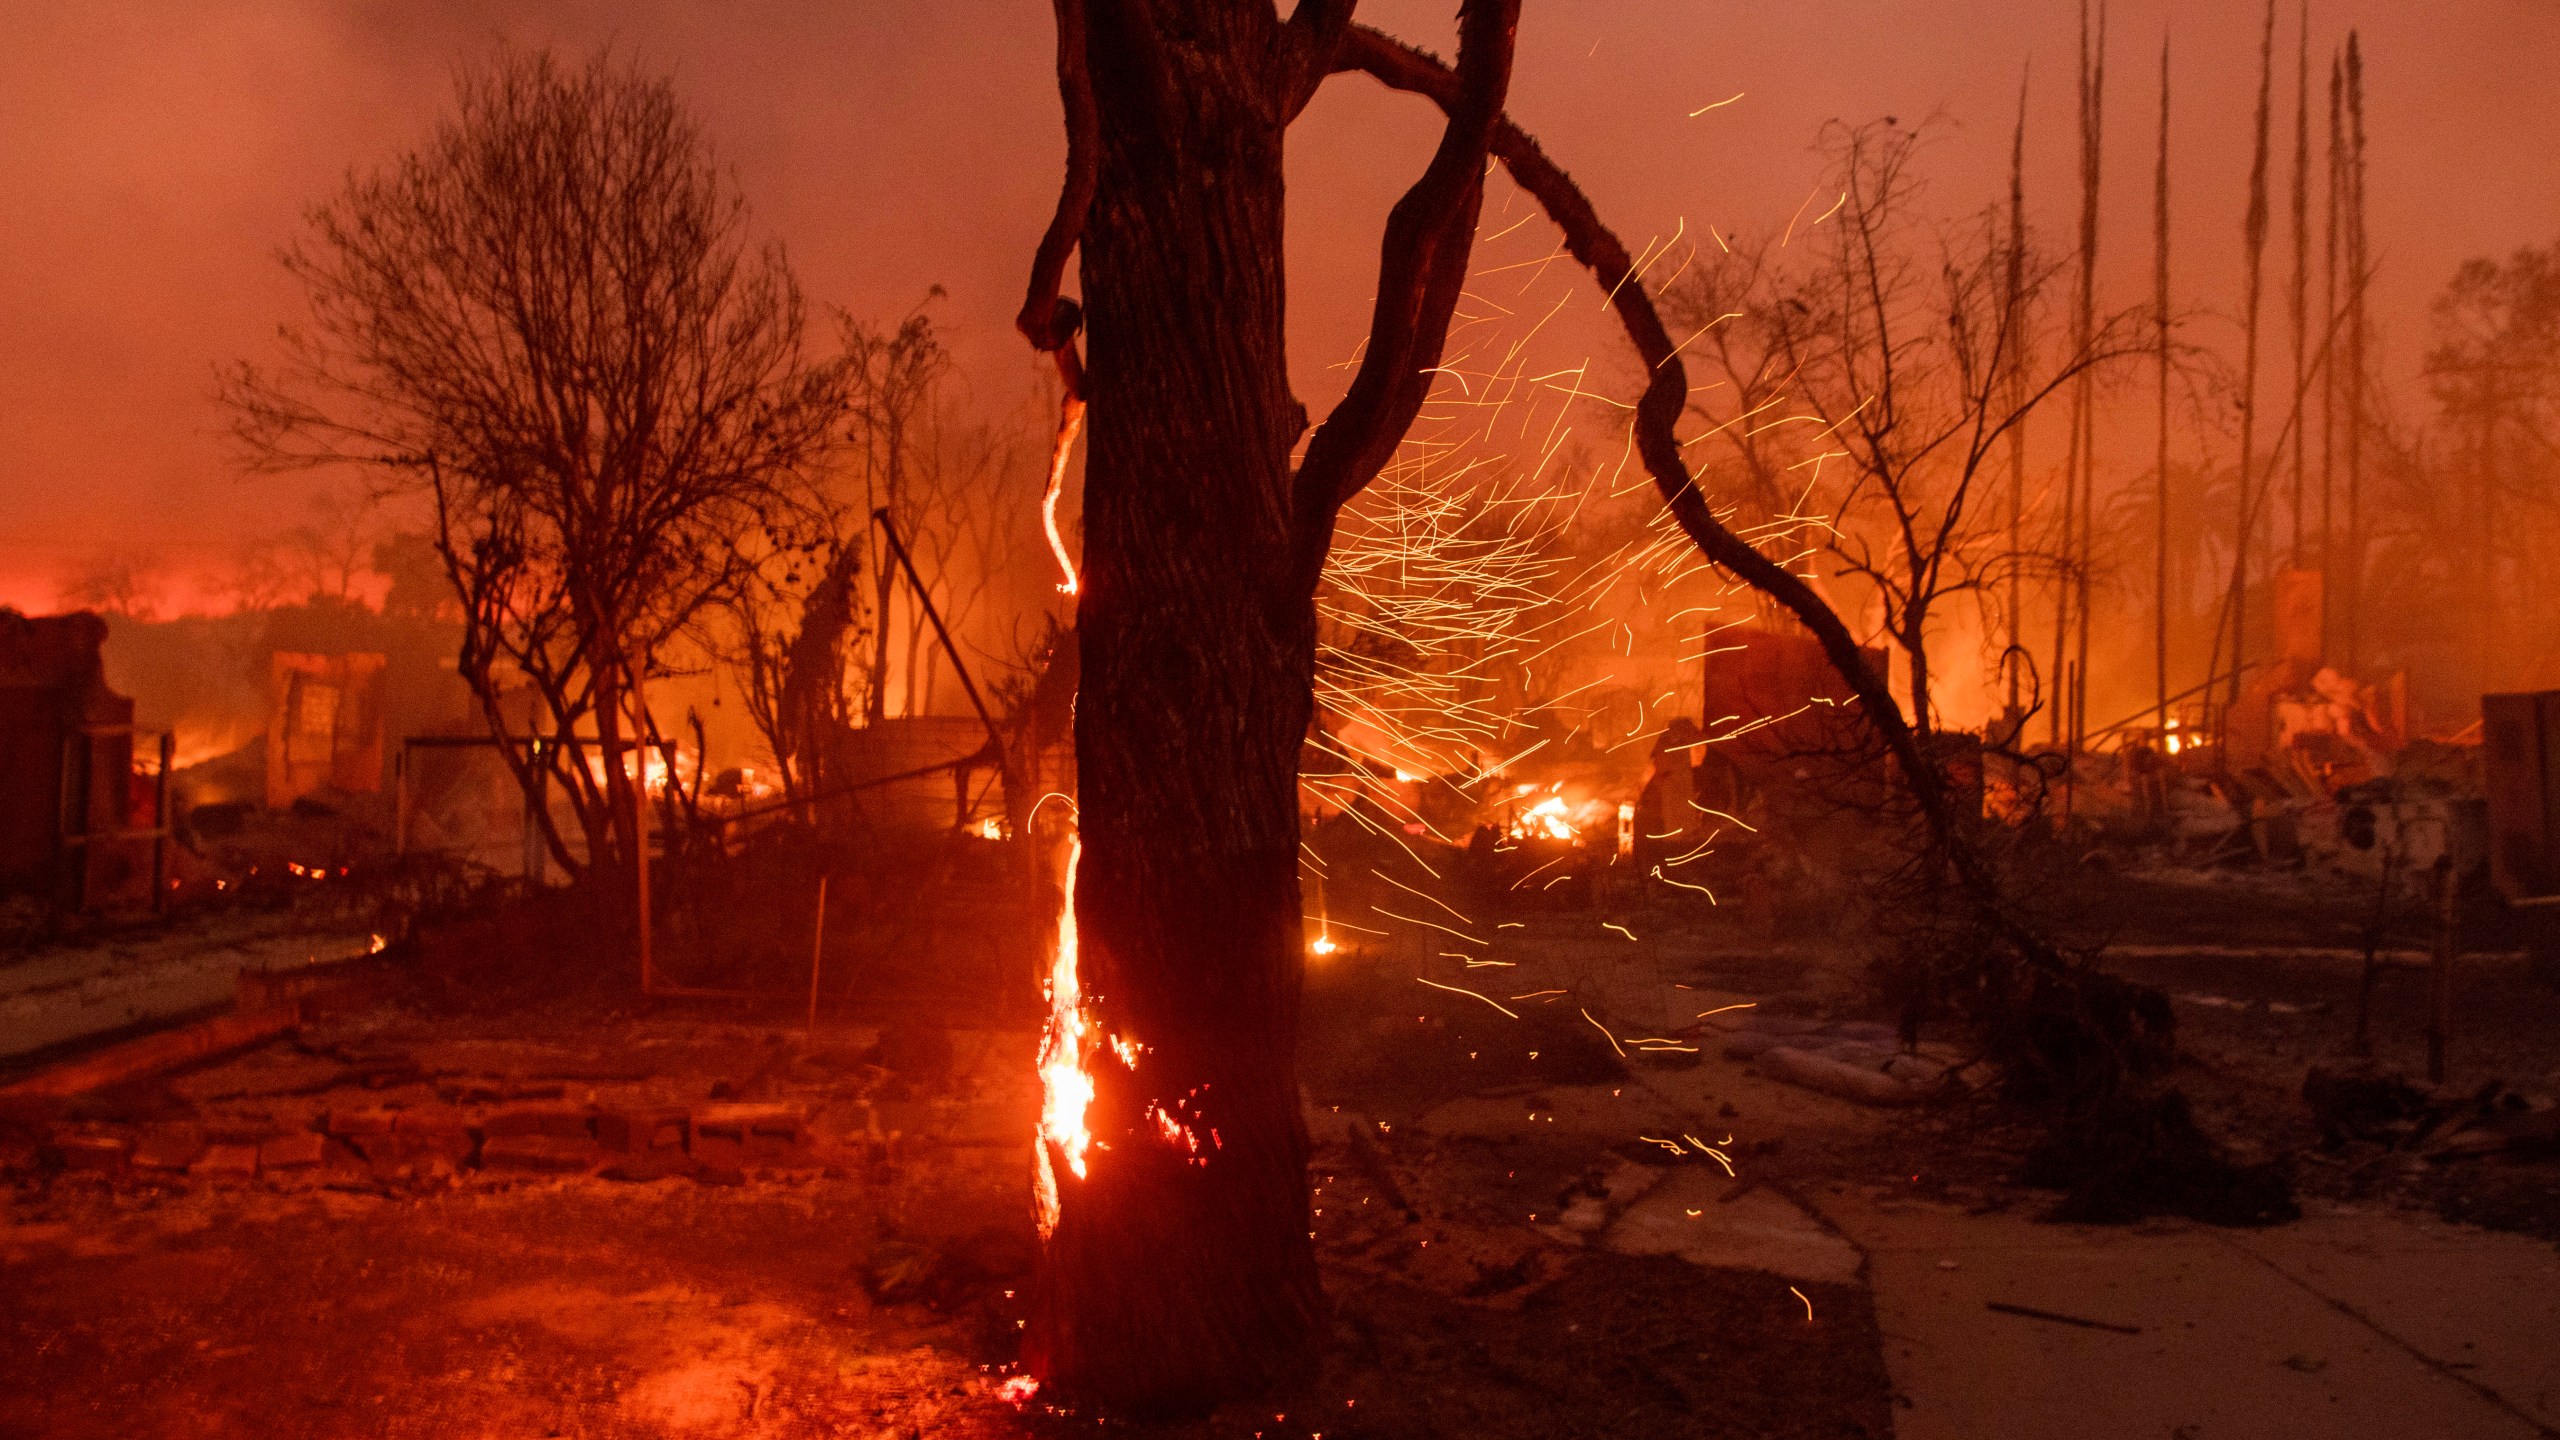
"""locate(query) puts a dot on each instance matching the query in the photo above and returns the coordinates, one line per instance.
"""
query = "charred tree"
(1178, 1269)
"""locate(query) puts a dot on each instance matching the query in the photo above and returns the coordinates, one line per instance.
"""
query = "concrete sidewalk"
(2339, 1327)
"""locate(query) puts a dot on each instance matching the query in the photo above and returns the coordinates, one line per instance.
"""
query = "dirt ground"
(867, 1280)
(866, 1283)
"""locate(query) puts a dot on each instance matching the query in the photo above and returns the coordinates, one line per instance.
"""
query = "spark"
(1390, 879)
(1621, 929)
(1456, 990)
(1390, 914)
(1745, 1005)
(1711, 1152)
(1603, 1029)
(1808, 1304)
(1718, 105)
(1683, 884)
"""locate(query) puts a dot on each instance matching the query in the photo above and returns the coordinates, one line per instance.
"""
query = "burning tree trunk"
(1178, 1268)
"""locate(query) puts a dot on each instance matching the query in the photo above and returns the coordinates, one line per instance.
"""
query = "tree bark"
(1179, 1269)
(1174, 1277)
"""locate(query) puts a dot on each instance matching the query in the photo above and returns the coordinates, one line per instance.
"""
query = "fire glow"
(1066, 1086)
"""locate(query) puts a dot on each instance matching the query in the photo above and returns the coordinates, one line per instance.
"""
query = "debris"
(550, 1153)
(2032, 1313)
(86, 1151)
(151, 1054)
(1867, 1085)
(300, 1150)
(168, 1148)
(226, 1162)
(2362, 1104)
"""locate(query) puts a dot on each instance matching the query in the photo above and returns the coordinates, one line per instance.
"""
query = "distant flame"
(1066, 1086)
(1546, 819)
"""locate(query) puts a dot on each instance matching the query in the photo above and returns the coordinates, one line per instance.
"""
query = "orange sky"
(155, 154)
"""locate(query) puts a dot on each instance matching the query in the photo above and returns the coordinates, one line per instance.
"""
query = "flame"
(1066, 1087)
(1324, 945)
(1546, 819)
(1070, 420)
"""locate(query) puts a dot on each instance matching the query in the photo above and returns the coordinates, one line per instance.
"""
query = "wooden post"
(817, 953)
(71, 820)
(2448, 938)
(160, 824)
(640, 870)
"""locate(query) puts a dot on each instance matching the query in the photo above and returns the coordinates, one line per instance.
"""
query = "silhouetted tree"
(550, 321)
(1179, 1268)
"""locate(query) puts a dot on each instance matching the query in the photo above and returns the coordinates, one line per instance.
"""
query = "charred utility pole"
(2254, 235)
(2359, 275)
(2160, 472)
(2329, 364)
(2014, 301)
(2084, 408)
(2071, 593)
(2297, 309)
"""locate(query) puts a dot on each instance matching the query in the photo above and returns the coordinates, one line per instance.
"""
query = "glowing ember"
(1070, 420)
(1323, 945)
(1018, 1389)
(1066, 1086)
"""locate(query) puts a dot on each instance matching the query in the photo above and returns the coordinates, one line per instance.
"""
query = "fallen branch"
(2032, 1313)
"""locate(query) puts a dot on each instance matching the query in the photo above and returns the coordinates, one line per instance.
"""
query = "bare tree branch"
(1048, 322)
(1402, 67)
(1422, 268)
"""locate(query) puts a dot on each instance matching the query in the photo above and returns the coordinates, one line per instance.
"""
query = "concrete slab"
(64, 995)
(2484, 1306)
(1687, 1215)
(2226, 1345)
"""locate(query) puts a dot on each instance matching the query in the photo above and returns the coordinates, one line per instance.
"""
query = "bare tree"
(550, 321)
(2495, 372)
(789, 629)
(1874, 376)
(817, 631)
(113, 581)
